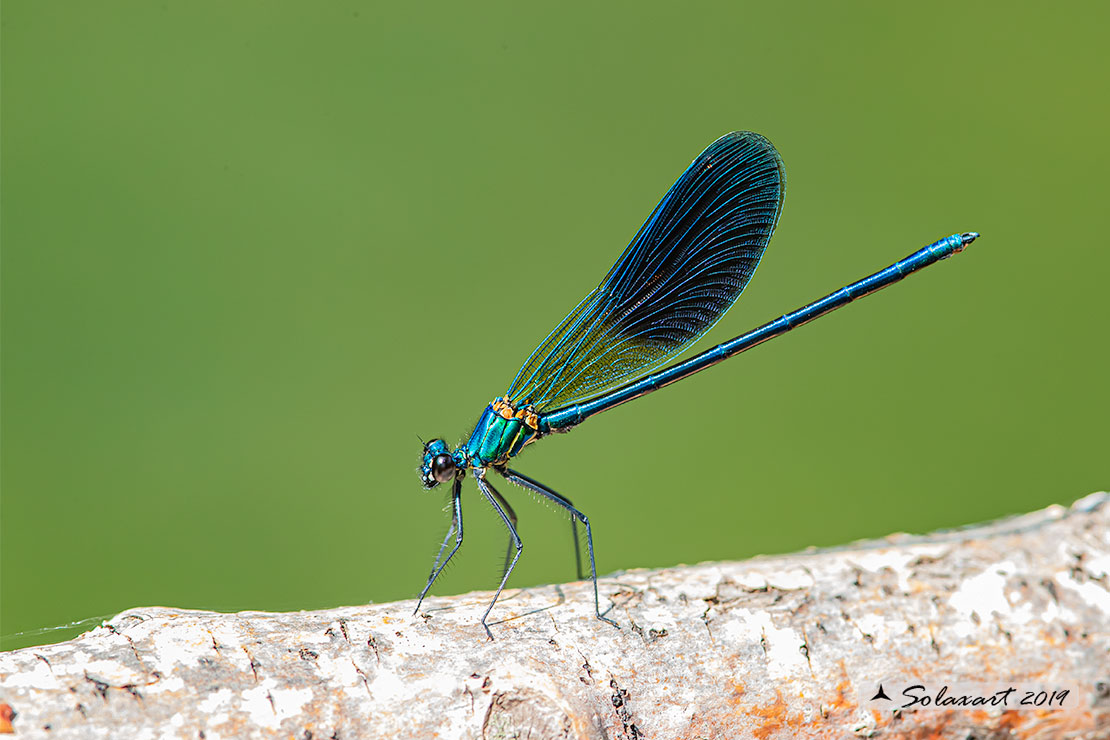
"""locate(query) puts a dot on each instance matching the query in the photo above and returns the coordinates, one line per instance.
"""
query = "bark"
(775, 647)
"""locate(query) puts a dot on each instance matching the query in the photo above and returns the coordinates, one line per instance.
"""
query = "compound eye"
(443, 468)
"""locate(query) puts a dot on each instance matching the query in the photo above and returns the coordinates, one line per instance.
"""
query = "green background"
(251, 251)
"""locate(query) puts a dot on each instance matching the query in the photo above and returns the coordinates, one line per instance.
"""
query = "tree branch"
(791, 647)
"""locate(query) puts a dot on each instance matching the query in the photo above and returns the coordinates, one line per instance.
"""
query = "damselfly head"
(438, 466)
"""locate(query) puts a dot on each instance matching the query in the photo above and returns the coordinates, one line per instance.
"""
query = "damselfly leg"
(512, 518)
(457, 528)
(492, 496)
(525, 482)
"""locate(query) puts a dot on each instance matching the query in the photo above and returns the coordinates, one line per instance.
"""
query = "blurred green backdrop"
(235, 234)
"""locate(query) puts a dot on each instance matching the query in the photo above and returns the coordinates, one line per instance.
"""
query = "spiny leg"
(522, 480)
(573, 531)
(512, 517)
(577, 545)
(492, 496)
(456, 526)
(443, 546)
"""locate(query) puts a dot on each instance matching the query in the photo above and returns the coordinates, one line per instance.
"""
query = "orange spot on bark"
(738, 691)
(843, 701)
(774, 716)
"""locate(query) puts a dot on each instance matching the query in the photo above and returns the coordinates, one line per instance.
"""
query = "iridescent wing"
(687, 264)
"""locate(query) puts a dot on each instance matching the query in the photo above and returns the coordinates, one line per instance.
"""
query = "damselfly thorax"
(501, 432)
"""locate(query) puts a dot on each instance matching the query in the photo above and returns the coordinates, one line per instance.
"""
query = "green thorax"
(495, 439)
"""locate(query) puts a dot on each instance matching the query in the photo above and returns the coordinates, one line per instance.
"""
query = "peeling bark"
(774, 647)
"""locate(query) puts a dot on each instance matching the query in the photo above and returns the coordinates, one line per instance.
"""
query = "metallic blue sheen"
(565, 418)
(688, 263)
(494, 440)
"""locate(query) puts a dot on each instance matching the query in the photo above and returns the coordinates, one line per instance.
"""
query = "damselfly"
(686, 265)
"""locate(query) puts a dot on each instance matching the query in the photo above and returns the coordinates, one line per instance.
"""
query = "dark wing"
(688, 263)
